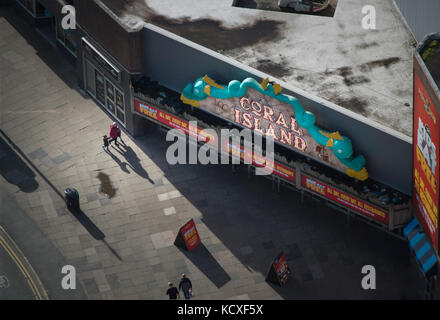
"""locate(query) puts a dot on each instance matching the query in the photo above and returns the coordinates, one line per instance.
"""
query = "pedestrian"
(186, 286)
(172, 292)
(119, 135)
(106, 143)
(114, 133)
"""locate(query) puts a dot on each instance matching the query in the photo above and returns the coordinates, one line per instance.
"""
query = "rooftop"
(366, 71)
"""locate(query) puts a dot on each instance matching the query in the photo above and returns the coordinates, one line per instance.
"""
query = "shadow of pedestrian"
(121, 164)
(134, 162)
(15, 170)
(207, 264)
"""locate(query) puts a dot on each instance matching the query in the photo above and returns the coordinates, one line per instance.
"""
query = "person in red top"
(114, 133)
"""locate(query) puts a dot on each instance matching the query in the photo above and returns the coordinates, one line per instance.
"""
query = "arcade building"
(333, 139)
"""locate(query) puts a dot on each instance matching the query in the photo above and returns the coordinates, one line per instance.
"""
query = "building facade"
(116, 62)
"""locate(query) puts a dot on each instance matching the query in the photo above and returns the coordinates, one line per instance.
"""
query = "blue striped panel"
(410, 227)
(412, 233)
(422, 251)
(416, 239)
(419, 245)
(429, 264)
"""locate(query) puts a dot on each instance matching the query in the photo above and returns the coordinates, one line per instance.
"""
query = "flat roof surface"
(366, 71)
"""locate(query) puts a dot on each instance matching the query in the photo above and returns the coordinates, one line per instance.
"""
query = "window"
(99, 81)
(119, 100)
(115, 101)
(110, 91)
(66, 38)
(108, 95)
(110, 106)
(120, 115)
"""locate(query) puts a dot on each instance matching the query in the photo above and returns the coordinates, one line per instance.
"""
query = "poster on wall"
(426, 160)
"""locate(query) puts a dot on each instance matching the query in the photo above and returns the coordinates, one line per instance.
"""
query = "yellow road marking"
(23, 270)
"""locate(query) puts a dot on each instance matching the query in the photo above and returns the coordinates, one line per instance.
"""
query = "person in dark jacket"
(172, 292)
(186, 286)
(105, 143)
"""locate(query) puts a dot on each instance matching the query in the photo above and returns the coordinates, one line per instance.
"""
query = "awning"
(420, 246)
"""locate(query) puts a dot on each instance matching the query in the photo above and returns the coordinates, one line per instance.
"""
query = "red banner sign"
(173, 122)
(190, 235)
(344, 199)
(426, 160)
(259, 161)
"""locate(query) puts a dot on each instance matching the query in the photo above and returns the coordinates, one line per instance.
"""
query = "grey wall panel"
(422, 16)
(174, 64)
(389, 159)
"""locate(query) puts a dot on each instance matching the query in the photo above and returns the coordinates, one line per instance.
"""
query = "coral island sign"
(263, 109)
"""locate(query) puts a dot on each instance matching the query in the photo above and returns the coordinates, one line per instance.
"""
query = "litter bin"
(72, 198)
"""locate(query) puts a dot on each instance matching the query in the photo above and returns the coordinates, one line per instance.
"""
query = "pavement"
(133, 204)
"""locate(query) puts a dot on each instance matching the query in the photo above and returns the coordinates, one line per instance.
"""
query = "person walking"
(106, 143)
(114, 133)
(119, 135)
(186, 286)
(172, 292)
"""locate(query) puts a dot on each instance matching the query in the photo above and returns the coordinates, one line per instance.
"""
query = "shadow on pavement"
(93, 230)
(15, 170)
(121, 164)
(88, 224)
(54, 59)
(133, 160)
(255, 223)
(203, 259)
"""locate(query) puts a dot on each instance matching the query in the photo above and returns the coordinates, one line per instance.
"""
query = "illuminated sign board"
(261, 108)
(426, 160)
